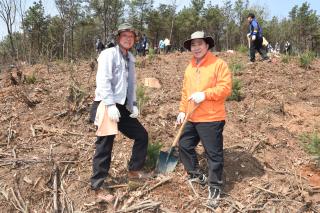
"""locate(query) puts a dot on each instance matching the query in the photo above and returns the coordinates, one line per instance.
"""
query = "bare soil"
(47, 143)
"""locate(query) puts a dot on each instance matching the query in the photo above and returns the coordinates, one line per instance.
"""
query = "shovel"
(167, 160)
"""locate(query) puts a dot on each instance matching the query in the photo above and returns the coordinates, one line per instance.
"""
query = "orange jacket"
(211, 76)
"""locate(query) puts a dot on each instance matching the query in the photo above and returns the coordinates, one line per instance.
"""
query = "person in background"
(161, 46)
(144, 44)
(99, 46)
(277, 48)
(256, 39)
(167, 45)
(206, 85)
(288, 48)
(110, 41)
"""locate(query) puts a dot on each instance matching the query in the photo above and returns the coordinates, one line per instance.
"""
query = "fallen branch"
(14, 156)
(144, 192)
(234, 204)
(158, 184)
(117, 186)
(209, 207)
(33, 131)
(18, 205)
(55, 188)
(10, 132)
(257, 209)
(266, 190)
(22, 160)
(147, 204)
(193, 189)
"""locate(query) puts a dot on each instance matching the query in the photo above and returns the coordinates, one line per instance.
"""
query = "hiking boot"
(198, 178)
(214, 196)
(138, 175)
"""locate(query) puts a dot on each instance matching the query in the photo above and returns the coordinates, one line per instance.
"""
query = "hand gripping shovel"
(167, 161)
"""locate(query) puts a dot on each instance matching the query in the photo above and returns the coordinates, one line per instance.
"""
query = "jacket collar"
(209, 58)
(129, 56)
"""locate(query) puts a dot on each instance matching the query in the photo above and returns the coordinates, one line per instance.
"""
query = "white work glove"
(135, 112)
(197, 97)
(181, 118)
(253, 37)
(113, 113)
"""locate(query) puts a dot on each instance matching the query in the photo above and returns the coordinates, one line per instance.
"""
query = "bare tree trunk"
(8, 15)
(104, 22)
(173, 15)
(21, 12)
(64, 43)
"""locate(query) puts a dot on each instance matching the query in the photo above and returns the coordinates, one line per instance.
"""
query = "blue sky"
(279, 8)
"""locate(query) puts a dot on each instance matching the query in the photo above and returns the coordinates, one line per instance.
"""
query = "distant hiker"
(99, 46)
(277, 48)
(139, 46)
(207, 83)
(161, 46)
(144, 44)
(182, 49)
(270, 48)
(167, 45)
(116, 90)
(110, 41)
(256, 39)
(287, 48)
(147, 48)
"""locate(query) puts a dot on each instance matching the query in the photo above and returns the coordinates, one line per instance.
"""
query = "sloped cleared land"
(47, 144)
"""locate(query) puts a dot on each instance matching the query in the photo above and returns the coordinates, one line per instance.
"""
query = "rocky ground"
(47, 144)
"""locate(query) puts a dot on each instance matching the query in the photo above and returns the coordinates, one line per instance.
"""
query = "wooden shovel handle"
(176, 139)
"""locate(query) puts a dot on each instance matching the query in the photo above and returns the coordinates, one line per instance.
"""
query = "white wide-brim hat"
(199, 35)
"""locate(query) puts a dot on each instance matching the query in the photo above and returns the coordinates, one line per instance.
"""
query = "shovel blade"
(166, 162)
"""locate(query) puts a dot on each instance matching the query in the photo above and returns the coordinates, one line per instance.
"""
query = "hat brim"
(209, 40)
(127, 30)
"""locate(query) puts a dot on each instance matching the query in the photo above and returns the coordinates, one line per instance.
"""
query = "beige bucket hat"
(126, 27)
(196, 35)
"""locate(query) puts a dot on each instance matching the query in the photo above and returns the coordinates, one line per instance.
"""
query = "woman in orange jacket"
(206, 85)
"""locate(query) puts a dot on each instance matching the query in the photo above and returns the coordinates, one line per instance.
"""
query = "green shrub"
(151, 57)
(236, 93)
(142, 98)
(311, 143)
(151, 51)
(242, 48)
(285, 59)
(76, 96)
(31, 79)
(236, 67)
(139, 64)
(152, 155)
(306, 59)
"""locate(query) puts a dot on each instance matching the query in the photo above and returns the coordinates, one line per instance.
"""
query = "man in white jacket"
(116, 89)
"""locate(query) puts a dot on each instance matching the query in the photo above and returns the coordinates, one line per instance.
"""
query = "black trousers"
(210, 134)
(256, 45)
(131, 128)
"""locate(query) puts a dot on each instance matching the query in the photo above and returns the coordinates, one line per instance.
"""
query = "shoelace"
(215, 194)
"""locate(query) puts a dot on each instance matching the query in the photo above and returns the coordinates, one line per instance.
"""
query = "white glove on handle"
(113, 113)
(135, 112)
(181, 117)
(253, 37)
(197, 97)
